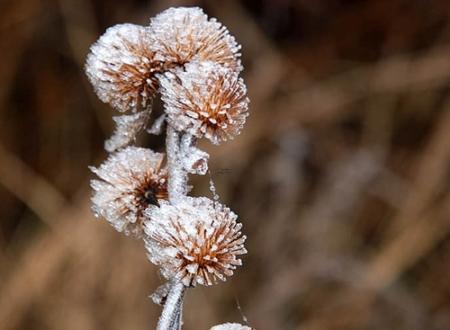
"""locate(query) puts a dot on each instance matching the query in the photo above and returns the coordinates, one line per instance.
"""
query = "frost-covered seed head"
(205, 99)
(181, 35)
(230, 326)
(121, 67)
(131, 180)
(196, 241)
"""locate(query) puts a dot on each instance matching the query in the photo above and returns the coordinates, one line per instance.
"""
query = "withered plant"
(193, 62)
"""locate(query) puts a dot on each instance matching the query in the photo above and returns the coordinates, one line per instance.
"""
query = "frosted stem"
(171, 315)
(177, 184)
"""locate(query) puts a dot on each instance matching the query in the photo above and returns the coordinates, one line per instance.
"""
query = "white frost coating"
(170, 318)
(181, 35)
(127, 127)
(158, 125)
(177, 174)
(131, 180)
(195, 161)
(230, 326)
(121, 67)
(160, 295)
(196, 241)
(205, 99)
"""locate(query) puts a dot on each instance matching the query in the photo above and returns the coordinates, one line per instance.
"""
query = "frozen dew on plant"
(194, 62)
(230, 326)
(195, 161)
(121, 67)
(197, 240)
(205, 99)
(130, 181)
(127, 127)
(182, 35)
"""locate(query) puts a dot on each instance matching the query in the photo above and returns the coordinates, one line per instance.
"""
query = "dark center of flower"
(150, 198)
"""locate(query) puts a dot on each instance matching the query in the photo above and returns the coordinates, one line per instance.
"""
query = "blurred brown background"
(341, 176)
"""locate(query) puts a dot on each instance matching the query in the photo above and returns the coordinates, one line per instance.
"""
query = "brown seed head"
(205, 99)
(182, 35)
(197, 240)
(122, 68)
(131, 181)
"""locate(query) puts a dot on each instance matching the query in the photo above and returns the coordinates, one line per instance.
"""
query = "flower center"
(150, 198)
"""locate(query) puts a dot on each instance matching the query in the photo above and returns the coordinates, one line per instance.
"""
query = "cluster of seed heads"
(193, 64)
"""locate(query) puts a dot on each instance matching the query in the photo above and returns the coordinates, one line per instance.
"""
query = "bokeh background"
(341, 175)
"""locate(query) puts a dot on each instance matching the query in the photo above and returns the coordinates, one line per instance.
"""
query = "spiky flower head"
(196, 240)
(121, 67)
(131, 180)
(181, 35)
(205, 99)
(230, 326)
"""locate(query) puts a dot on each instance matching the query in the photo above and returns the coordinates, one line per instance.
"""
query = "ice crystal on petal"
(197, 240)
(205, 99)
(181, 35)
(122, 68)
(131, 180)
(230, 326)
(127, 127)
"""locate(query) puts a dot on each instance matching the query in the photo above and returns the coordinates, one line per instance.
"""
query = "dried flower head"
(131, 180)
(196, 240)
(230, 326)
(181, 35)
(121, 67)
(205, 99)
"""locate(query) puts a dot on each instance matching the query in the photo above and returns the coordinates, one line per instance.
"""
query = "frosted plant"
(230, 326)
(196, 240)
(194, 63)
(131, 180)
(205, 99)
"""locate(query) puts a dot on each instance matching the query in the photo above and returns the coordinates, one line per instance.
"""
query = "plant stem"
(177, 184)
(170, 318)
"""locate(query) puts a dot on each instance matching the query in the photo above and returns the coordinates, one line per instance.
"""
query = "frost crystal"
(127, 127)
(181, 35)
(205, 99)
(230, 326)
(131, 180)
(122, 68)
(196, 240)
